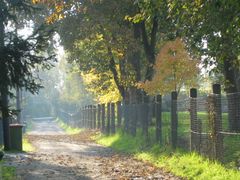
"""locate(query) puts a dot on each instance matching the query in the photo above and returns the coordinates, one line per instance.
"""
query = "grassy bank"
(68, 129)
(7, 172)
(178, 162)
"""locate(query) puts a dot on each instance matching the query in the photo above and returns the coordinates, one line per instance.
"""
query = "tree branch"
(144, 37)
(112, 67)
(112, 64)
(154, 33)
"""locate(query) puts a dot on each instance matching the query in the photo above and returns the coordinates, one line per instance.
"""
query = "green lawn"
(179, 162)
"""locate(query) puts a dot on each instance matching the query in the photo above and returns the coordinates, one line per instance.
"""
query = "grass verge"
(27, 146)
(68, 129)
(7, 172)
(180, 163)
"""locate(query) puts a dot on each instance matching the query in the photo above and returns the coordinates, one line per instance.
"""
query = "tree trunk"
(18, 105)
(149, 46)
(5, 118)
(233, 97)
(4, 88)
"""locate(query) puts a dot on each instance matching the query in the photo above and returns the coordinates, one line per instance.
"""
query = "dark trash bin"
(16, 136)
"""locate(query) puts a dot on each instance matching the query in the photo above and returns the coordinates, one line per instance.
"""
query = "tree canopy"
(174, 69)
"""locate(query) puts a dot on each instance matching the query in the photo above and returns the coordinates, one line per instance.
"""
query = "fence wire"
(183, 123)
(209, 124)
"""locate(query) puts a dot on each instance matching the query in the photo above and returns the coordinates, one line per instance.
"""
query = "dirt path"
(61, 157)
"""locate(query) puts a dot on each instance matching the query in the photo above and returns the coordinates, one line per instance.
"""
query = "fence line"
(201, 124)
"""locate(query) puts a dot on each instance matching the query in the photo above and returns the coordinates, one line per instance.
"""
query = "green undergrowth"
(27, 146)
(178, 162)
(68, 129)
(7, 172)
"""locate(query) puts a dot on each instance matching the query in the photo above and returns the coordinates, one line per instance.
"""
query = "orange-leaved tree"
(174, 69)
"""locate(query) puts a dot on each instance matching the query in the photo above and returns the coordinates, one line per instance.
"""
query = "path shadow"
(31, 169)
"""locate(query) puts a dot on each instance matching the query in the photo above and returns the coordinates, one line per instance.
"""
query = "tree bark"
(4, 88)
(149, 46)
(112, 66)
(18, 105)
(5, 118)
(233, 97)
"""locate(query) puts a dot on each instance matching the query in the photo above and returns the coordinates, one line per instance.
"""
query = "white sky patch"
(26, 32)
(59, 48)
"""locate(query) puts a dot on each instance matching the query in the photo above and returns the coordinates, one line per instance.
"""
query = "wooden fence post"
(103, 118)
(135, 119)
(119, 114)
(90, 117)
(108, 118)
(81, 118)
(158, 112)
(145, 111)
(98, 116)
(217, 124)
(113, 118)
(193, 119)
(174, 119)
(126, 115)
(94, 117)
(84, 117)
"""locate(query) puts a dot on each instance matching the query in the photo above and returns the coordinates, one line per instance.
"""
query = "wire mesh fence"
(230, 133)
(209, 125)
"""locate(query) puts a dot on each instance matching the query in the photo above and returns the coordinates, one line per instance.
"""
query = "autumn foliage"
(174, 69)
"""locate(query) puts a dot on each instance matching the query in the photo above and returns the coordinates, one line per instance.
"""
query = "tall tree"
(127, 26)
(20, 56)
(174, 69)
(211, 30)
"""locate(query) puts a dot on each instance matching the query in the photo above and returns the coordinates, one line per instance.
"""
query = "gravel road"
(59, 156)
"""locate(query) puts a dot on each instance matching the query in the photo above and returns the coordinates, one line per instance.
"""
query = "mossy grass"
(178, 162)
